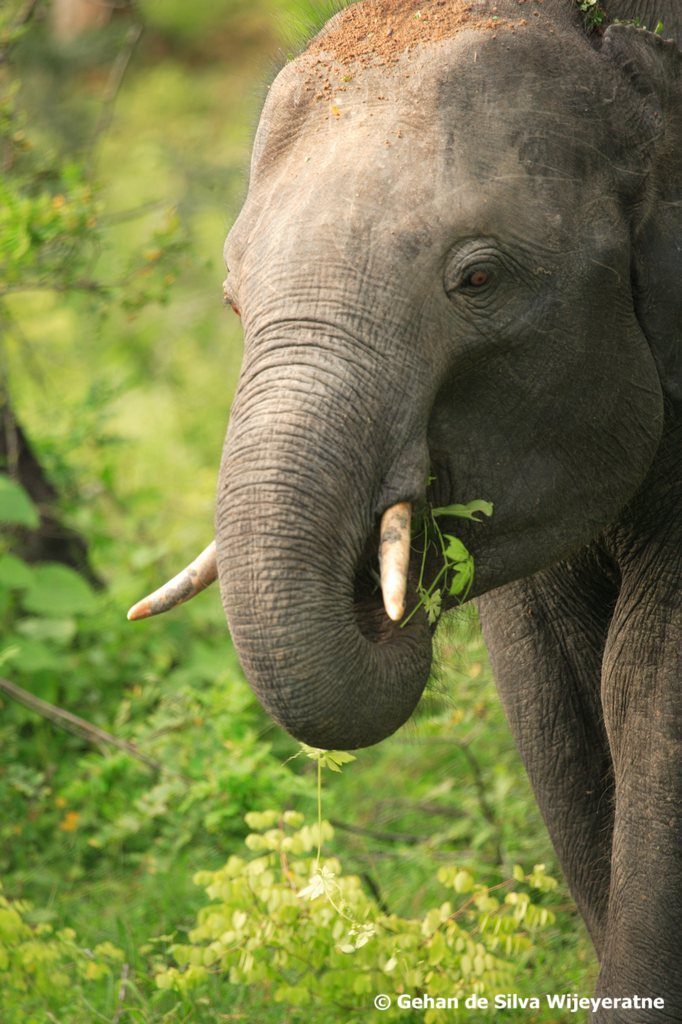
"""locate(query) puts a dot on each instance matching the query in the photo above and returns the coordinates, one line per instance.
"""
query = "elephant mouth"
(368, 604)
(369, 609)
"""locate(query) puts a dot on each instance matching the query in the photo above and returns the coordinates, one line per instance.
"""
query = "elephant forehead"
(378, 32)
(316, 93)
(477, 90)
(367, 179)
(470, 134)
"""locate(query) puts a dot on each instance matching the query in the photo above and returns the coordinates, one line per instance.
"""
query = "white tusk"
(394, 557)
(187, 584)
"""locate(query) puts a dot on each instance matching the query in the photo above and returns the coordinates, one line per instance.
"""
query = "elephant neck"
(652, 517)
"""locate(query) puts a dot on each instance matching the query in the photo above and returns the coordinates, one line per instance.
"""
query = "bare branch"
(382, 837)
(82, 285)
(116, 76)
(73, 724)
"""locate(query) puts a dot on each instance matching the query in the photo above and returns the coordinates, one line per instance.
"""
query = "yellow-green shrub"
(45, 970)
(293, 930)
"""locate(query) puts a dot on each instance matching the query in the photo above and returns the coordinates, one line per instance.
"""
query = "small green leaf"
(259, 821)
(314, 753)
(455, 551)
(332, 759)
(58, 591)
(318, 885)
(57, 630)
(14, 574)
(463, 881)
(468, 511)
(15, 505)
(339, 757)
(462, 579)
(433, 605)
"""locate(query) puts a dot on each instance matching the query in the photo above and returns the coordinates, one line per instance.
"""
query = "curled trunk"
(297, 542)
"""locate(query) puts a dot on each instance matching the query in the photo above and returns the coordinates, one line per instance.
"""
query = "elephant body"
(391, 176)
(587, 657)
(458, 268)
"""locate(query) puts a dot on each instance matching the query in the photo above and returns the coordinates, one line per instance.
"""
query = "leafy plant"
(71, 646)
(16, 508)
(593, 14)
(323, 879)
(456, 573)
(44, 971)
(267, 931)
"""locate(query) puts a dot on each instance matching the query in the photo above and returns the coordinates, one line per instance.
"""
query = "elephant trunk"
(298, 542)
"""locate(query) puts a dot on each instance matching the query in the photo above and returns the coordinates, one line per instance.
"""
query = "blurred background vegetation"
(125, 132)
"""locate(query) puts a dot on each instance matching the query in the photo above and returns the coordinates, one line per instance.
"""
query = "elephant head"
(439, 269)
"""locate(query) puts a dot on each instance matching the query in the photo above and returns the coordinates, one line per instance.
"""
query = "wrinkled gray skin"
(552, 162)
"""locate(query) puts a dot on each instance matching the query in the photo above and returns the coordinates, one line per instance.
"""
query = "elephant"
(457, 267)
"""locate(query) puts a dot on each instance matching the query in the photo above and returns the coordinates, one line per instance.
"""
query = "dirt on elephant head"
(380, 31)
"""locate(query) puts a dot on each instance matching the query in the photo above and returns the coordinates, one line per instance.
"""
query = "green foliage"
(456, 573)
(46, 972)
(59, 633)
(39, 604)
(51, 233)
(47, 234)
(331, 759)
(270, 927)
(104, 817)
(595, 18)
(283, 916)
(593, 14)
(16, 508)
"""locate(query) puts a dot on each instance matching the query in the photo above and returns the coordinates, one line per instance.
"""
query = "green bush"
(189, 711)
(44, 971)
(281, 918)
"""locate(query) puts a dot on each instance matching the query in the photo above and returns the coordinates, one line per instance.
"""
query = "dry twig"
(73, 724)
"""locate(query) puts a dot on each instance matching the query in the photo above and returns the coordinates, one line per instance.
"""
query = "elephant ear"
(650, 68)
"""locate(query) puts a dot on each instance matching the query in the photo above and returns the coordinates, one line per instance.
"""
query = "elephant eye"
(477, 278)
(473, 268)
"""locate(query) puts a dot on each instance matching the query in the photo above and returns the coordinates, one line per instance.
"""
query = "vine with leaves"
(456, 573)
